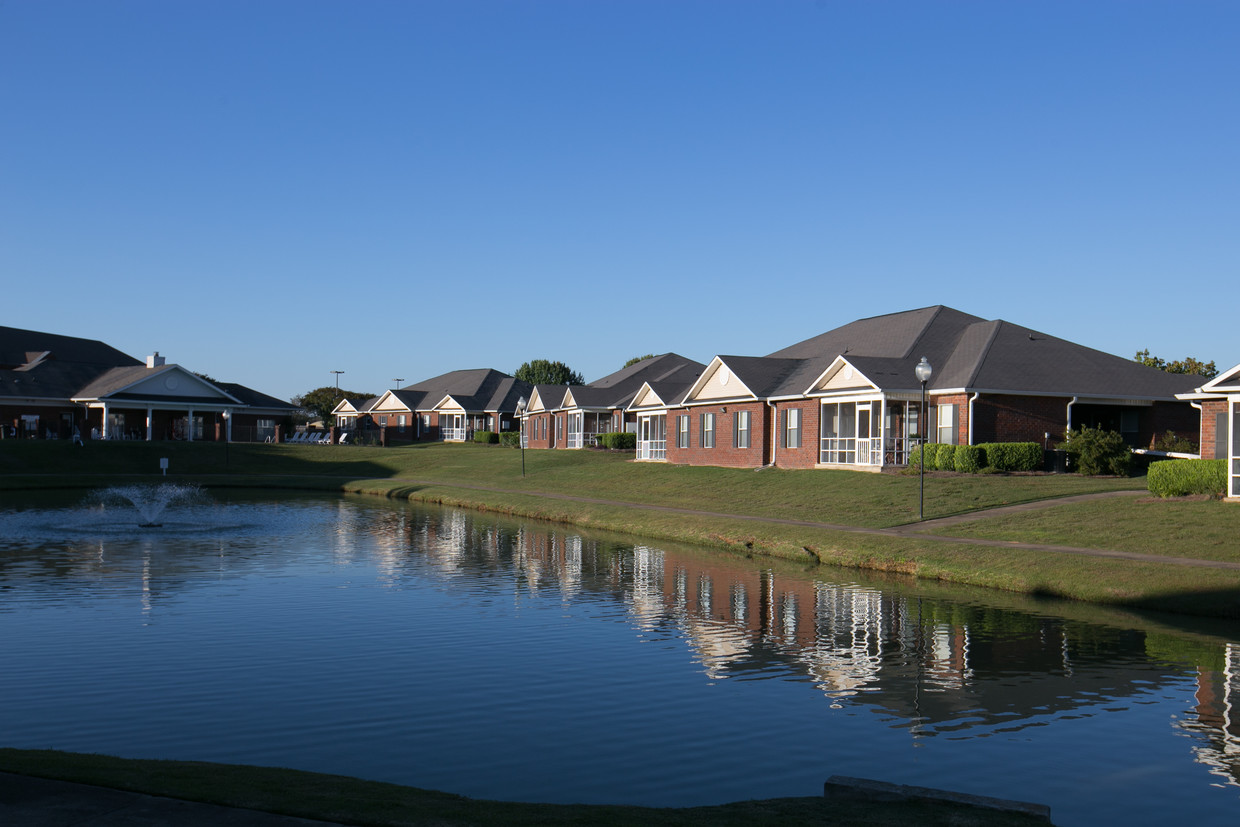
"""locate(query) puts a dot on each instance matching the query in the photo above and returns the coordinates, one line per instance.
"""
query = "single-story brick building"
(850, 397)
(1219, 403)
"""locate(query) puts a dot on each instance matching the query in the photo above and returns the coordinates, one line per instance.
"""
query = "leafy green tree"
(1187, 365)
(637, 359)
(544, 372)
(320, 402)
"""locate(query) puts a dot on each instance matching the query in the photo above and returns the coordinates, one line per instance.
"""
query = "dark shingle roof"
(477, 389)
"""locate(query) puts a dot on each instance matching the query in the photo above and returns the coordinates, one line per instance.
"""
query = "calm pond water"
(500, 659)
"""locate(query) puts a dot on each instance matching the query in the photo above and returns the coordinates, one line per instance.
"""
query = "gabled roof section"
(895, 335)
(255, 399)
(1226, 382)
(663, 368)
(479, 389)
(721, 380)
(1001, 356)
(545, 398)
(163, 384)
(842, 377)
(658, 396)
(23, 347)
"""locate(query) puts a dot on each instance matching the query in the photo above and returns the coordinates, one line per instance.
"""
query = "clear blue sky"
(269, 191)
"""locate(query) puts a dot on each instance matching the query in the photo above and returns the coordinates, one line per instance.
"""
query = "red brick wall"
(807, 455)
(1210, 409)
(1019, 419)
(725, 453)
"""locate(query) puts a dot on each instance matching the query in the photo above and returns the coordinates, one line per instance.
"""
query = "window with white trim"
(741, 422)
(792, 428)
(708, 430)
(947, 424)
(682, 431)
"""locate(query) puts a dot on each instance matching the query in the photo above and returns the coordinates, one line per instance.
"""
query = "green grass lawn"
(1176, 527)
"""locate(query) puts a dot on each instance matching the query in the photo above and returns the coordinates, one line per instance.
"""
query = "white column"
(189, 425)
(104, 429)
(228, 427)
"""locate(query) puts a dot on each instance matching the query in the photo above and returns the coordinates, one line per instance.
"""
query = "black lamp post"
(923, 371)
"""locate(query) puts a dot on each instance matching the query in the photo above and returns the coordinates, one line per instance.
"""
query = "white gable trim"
(842, 377)
(716, 384)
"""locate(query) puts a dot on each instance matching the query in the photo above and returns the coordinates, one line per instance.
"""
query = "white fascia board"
(1136, 401)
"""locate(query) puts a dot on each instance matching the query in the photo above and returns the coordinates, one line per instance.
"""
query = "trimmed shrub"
(945, 459)
(1013, 456)
(619, 441)
(914, 459)
(486, 437)
(1094, 451)
(1182, 477)
(932, 456)
(510, 439)
(969, 458)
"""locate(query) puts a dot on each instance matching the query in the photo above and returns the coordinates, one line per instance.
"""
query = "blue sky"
(266, 192)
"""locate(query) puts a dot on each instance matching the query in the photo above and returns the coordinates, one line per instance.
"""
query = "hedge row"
(972, 459)
(618, 441)
(1181, 477)
(486, 437)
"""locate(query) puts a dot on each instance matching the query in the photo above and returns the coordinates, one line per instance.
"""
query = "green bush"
(1171, 443)
(945, 459)
(510, 439)
(618, 441)
(970, 459)
(1013, 456)
(1095, 451)
(486, 437)
(914, 458)
(932, 456)
(1181, 477)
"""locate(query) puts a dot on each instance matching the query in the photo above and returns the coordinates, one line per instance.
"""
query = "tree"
(544, 372)
(637, 359)
(320, 402)
(1188, 365)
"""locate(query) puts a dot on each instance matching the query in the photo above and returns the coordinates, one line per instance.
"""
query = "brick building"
(850, 397)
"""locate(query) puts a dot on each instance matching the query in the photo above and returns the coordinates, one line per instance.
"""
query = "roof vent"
(155, 360)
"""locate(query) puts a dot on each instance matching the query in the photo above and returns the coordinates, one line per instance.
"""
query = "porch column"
(189, 425)
(228, 418)
(104, 429)
(150, 423)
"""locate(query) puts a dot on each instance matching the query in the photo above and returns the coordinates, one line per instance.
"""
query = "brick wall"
(807, 455)
(725, 453)
(1000, 418)
(1210, 438)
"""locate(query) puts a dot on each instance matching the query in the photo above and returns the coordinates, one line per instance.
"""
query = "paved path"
(920, 531)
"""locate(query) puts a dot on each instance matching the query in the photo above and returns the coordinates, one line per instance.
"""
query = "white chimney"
(155, 360)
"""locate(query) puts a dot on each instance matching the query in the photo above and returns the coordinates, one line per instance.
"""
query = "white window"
(708, 430)
(947, 424)
(792, 428)
(682, 431)
(742, 429)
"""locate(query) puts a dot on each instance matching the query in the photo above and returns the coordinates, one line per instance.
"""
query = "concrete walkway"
(43, 802)
(919, 531)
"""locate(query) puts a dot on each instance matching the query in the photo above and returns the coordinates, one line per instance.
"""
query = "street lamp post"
(224, 416)
(923, 371)
(520, 414)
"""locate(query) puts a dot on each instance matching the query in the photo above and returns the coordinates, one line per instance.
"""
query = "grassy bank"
(609, 491)
(354, 801)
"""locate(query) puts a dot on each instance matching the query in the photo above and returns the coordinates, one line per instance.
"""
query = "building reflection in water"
(933, 667)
